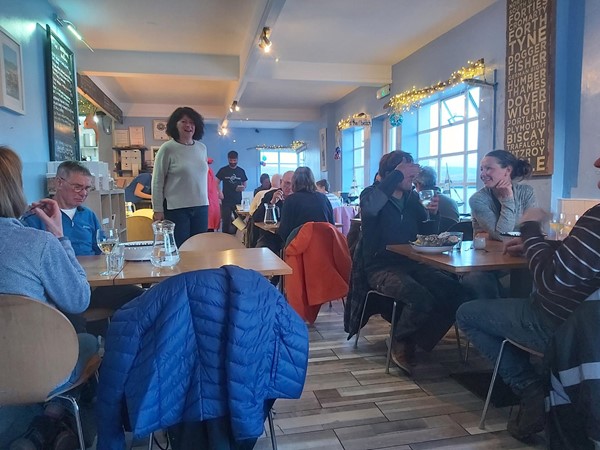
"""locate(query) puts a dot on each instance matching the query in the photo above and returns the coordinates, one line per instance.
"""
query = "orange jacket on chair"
(321, 264)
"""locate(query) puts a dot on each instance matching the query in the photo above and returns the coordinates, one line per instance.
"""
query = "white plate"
(138, 250)
(423, 249)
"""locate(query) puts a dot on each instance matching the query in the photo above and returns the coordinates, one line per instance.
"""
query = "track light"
(69, 25)
(234, 107)
(264, 43)
(223, 131)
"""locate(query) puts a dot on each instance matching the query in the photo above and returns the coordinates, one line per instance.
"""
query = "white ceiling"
(152, 56)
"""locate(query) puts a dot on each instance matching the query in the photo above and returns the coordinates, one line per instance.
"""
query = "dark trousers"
(188, 222)
(430, 299)
(226, 217)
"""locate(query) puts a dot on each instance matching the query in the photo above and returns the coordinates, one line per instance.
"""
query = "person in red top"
(214, 209)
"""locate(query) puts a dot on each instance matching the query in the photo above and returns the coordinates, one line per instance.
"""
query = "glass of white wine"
(107, 238)
(426, 196)
(556, 225)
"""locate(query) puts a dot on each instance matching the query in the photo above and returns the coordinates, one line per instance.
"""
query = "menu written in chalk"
(62, 101)
(529, 132)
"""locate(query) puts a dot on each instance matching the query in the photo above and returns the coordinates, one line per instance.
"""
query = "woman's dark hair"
(389, 161)
(263, 177)
(176, 117)
(520, 167)
(12, 200)
(303, 180)
(323, 184)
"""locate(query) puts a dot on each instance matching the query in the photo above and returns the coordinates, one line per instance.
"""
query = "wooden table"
(270, 227)
(243, 213)
(262, 260)
(471, 260)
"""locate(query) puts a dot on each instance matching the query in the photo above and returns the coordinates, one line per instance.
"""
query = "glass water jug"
(270, 214)
(164, 249)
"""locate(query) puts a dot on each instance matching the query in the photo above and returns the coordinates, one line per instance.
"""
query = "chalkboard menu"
(62, 101)
(529, 119)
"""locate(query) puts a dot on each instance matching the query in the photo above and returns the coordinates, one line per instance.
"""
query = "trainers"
(531, 417)
(403, 355)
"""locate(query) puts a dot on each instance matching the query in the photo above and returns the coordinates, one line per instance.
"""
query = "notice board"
(529, 102)
(63, 123)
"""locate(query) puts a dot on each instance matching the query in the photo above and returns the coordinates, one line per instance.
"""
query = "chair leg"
(392, 326)
(77, 418)
(491, 388)
(272, 430)
(151, 441)
(362, 316)
(457, 334)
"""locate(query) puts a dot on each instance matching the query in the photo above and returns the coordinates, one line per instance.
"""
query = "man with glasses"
(73, 184)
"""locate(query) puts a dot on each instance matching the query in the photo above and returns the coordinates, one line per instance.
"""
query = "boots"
(531, 417)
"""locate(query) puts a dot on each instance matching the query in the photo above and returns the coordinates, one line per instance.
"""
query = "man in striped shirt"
(565, 274)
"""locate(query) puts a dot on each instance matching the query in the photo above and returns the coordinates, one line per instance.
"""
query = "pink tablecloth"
(343, 215)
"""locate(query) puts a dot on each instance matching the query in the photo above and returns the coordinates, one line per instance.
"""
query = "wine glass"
(556, 224)
(107, 238)
(426, 195)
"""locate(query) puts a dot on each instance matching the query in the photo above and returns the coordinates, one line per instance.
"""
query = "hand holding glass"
(107, 238)
(426, 196)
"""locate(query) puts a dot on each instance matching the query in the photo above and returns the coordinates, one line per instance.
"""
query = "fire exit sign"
(383, 91)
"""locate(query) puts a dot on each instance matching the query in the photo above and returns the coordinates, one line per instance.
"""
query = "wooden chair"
(144, 212)
(139, 228)
(495, 373)
(211, 242)
(39, 350)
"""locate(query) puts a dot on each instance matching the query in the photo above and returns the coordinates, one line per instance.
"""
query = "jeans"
(188, 222)
(430, 298)
(488, 322)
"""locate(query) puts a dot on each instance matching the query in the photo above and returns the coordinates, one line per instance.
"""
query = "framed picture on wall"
(159, 130)
(323, 148)
(11, 74)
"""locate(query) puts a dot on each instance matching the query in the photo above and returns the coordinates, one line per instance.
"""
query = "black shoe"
(40, 434)
(531, 417)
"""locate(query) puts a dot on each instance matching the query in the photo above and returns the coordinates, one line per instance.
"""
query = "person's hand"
(158, 216)
(536, 215)
(221, 196)
(239, 188)
(277, 197)
(49, 213)
(513, 247)
(409, 170)
(504, 189)
(434, 204)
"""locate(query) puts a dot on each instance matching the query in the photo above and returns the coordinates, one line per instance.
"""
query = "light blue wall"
(27, 134)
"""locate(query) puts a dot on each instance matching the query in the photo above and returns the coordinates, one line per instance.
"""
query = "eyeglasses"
(78, 187)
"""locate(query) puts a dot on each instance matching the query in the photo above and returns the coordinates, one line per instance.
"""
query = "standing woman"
(498, 206)
(179, 181)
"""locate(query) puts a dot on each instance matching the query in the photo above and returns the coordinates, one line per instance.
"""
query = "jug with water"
(164, 250)
(271, 214)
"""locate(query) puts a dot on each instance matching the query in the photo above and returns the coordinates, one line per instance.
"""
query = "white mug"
(479, 242)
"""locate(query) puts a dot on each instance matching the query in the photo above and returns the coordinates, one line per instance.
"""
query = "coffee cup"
(479, 242)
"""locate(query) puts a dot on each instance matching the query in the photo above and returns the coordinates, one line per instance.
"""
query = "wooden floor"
(350, 403)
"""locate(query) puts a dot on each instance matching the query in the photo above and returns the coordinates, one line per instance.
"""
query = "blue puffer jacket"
(198, 346)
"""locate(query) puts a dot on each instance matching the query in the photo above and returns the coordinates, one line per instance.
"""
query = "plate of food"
(435, 243)
(138, 250)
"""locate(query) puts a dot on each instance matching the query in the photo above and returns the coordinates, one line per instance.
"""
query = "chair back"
(38, 349)
(211, 242)
(144, 212)
(139, 228)
(465, 227)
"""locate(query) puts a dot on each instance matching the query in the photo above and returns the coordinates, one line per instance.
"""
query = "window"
(280, 161)
(353, 158)
(445, 132)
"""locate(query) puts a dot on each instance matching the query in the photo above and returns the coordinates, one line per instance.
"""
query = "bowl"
(138, 250)
(425, 249)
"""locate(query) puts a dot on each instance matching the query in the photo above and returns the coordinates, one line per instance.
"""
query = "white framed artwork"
(12, 94)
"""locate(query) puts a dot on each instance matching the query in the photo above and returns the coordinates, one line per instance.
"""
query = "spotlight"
(234, 107)
(69, 25)
(223, 131)
(264, 43)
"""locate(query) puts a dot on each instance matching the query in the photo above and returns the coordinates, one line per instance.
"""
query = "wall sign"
(530, 52)
(62, 101)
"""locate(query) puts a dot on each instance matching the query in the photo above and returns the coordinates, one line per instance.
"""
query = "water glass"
(116, 259)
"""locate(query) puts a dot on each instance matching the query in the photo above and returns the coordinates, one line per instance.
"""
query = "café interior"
(343, 83)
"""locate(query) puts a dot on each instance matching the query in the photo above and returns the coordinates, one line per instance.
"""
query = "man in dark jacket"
(392, 214)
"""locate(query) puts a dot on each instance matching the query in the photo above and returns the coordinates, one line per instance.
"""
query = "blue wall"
(27, 134)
